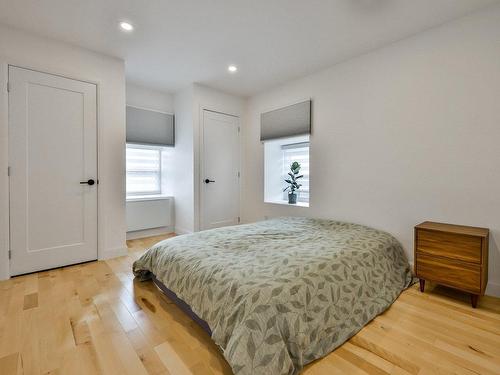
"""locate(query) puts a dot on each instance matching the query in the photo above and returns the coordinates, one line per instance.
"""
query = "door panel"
(221, 198)
(52, 148)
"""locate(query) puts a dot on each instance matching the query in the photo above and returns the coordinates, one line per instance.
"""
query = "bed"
(278, 294)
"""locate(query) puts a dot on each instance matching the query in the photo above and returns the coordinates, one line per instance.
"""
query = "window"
(298, 152)
(279, 154)
(144, 170)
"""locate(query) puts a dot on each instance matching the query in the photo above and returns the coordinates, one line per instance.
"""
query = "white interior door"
(52, 158)
(220, 170)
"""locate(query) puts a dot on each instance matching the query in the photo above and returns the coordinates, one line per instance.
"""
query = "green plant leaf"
(292, 181)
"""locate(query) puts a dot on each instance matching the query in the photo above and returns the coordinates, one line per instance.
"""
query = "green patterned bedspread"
(281, 293)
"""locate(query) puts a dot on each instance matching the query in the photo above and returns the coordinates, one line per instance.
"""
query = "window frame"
(275, 171)
(156, 193)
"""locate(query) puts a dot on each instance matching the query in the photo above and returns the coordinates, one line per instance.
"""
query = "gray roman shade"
(150, 127)
(286, 122)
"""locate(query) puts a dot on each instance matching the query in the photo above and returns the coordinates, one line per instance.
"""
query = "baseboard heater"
(149, 213)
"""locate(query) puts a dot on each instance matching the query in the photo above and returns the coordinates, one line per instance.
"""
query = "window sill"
(140, 198)
(298, 204)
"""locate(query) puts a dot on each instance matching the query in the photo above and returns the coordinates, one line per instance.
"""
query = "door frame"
(5, 63)
(199, 174)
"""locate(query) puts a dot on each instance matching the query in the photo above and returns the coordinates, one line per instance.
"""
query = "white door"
(53, 161)
(220, 191)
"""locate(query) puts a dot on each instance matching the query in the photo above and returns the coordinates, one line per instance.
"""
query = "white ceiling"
(177, 42)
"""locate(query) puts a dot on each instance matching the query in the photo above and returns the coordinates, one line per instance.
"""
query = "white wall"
(143, 97)
(184, 161)
(47, 55)
(404, 134)
(189, 104)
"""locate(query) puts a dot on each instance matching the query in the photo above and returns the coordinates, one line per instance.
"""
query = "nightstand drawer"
(450, 245)
(457, 274)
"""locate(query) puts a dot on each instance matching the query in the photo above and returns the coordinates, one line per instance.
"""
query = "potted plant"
(292, 182)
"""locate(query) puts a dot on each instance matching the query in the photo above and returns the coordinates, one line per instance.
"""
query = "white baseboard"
(412, 265)
(149, 232)
(493, 289)
(113, 253)
(4, 270)
(179, 230)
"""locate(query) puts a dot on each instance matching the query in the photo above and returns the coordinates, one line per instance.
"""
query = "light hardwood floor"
(94, 318)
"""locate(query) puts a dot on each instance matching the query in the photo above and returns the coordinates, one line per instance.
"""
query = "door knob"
(207, 181)
(88, 182)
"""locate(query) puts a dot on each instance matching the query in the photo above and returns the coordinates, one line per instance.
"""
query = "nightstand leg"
(473, 300)
(422, 285)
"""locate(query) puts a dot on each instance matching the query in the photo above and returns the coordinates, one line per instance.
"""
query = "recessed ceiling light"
(125, 26)
(232, 68)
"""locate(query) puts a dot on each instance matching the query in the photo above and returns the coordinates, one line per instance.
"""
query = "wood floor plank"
(151, 361)
(358, 361)
(128, 356)
(95, 318)
(11, 364)
(171, 359)
(30, 301)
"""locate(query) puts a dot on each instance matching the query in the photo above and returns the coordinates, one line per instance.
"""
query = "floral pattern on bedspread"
(281, 293)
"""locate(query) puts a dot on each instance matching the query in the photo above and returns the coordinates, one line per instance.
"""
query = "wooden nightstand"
(452, 255)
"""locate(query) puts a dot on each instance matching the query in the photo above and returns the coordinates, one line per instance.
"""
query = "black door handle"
(89, 182)
(207, 181)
